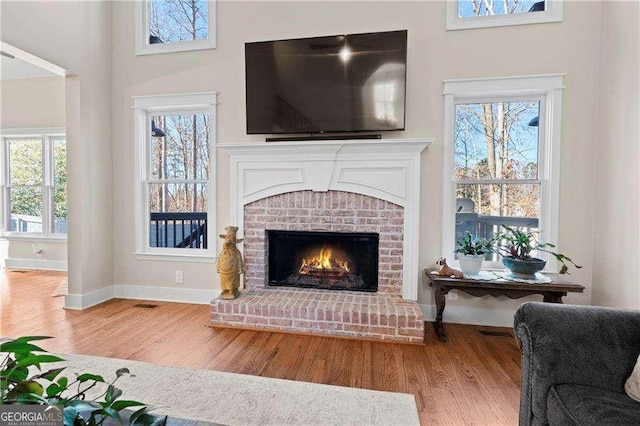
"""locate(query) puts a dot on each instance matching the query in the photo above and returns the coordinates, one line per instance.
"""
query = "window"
(464, 14)
(175, 157)
(502, 140)
(164, 26)
(34, 184)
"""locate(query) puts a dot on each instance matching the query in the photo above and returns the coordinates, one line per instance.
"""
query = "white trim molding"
(33, 60)
(143, 47)
(78, 302)
(546, 88)
(45, 265)
(385, 169)
(553, 13)
(165, 294)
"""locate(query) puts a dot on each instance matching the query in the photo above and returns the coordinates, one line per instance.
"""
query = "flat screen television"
(342, 83)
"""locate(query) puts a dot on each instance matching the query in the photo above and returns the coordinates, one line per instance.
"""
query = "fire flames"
(324, 262)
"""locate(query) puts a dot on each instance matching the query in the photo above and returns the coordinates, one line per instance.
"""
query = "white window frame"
(144, 108)
(553, 13)
(143, 47)
(47, 135)
(548, 89)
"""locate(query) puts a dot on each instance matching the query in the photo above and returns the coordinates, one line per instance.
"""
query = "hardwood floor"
(472, 379)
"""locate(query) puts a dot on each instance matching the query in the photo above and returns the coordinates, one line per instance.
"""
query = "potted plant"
(515, 246)
(471, 253)
(22, 381)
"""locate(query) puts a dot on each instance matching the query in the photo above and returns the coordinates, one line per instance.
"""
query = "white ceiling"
(11, 69)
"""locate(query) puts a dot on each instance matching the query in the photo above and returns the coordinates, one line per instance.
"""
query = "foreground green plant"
(22, 381)
(518, 244)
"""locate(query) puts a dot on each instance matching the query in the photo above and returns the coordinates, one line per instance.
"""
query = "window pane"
(177, 20)
(181, 149)
(178, 197)
(496, 140)
(178, 215)
(25, 162)
(470, 8)
(59, 210)
(26, 209)
(482, 208)
(59, 162)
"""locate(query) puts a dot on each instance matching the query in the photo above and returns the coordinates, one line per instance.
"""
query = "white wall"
(616, 270)
(77, 37)
(26, 104)
(434, 55)
(32, 102)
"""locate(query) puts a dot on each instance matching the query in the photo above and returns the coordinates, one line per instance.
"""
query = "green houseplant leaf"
(518, 244)
(469, 246)
(20, 384)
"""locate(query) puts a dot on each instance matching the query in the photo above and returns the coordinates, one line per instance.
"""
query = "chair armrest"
(584, 345)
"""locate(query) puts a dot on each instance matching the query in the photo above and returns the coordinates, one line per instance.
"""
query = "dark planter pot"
(523, 268)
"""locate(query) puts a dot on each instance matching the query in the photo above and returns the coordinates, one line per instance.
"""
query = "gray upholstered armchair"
(575, 361)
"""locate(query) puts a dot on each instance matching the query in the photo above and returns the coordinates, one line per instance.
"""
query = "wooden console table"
(552, 292)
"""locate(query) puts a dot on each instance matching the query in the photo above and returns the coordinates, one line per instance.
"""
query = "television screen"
(343, 83)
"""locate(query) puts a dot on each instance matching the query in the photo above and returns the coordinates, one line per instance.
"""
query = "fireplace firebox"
(326, 260)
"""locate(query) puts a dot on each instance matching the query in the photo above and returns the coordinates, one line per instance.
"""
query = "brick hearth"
(383, 315)
(337, 313)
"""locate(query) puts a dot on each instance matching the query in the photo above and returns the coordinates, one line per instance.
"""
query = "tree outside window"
(172, 21)
(178, 181)
(174, 25)
(468, 8)
(468, 14)
(495, 142)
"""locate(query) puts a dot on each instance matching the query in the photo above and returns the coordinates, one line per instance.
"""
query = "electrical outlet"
(179, 277)
(37, 249)
(452, 295)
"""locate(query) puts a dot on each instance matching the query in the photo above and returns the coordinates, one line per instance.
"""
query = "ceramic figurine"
(230, 264)
(446, 271)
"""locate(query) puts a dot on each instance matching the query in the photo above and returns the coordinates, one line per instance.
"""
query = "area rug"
(237, 399)
(61, 290)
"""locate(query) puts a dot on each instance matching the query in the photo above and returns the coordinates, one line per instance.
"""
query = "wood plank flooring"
(472, 379)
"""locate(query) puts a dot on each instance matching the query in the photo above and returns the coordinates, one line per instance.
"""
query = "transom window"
(34, 186)
(501, 150)
(176, 137)
(463, 14)
(174, 25)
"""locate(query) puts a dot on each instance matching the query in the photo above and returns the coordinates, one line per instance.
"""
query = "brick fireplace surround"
(327, 186)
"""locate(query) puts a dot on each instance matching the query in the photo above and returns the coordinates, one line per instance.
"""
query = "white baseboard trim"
(140, 292)
(78, 302)
(49, 265)
(471, 315)
(165, 294)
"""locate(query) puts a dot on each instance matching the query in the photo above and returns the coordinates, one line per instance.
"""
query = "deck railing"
(180, 230)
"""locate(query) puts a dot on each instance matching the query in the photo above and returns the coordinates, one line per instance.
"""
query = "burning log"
(324, 265)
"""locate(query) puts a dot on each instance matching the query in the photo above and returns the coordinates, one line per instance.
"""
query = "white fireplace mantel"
(388, 169)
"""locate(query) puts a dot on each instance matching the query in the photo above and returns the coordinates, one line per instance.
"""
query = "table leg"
(439, 294)
(553, 297)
